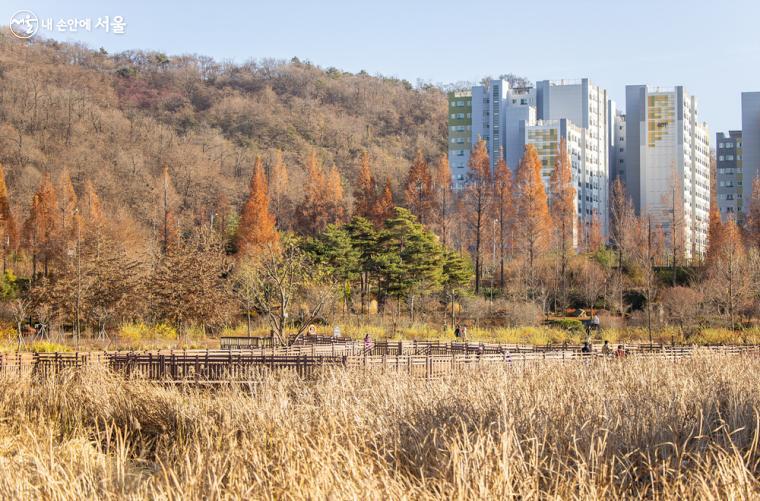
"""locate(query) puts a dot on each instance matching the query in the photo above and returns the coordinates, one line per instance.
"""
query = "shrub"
(47, 347)
(134, 333)
(569, 324)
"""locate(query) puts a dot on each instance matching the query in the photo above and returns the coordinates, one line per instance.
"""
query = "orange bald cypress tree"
(68, 204)
(257, 224)
(532, 220)
(384, 206)
(312, 214)
(715, 225)
(476, 202)
(418, 189)
(563, 213)
(41, 226)
(562, 202)
(442, 203)
(365, 192)
(8, 229)
(504, 209)
(728, 269)
(334, 197)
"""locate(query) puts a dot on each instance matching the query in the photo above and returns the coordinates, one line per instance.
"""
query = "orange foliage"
(533, 223)
(257, 224)
(418, 189)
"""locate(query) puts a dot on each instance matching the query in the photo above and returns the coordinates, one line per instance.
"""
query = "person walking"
(457, 331)
(596, 323)
(367, 343)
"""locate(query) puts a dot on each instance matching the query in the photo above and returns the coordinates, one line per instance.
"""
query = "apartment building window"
(721, 145)
(721, 158)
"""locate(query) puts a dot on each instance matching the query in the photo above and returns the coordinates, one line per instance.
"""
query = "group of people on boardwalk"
(607, 350)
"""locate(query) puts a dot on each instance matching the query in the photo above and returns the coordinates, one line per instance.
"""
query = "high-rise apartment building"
(729, 176)
(667, 163)
(750, 144)
(520, 112)
(460, 135)
(586, 106)
(616, 124)
(508, 118)
(488, 103)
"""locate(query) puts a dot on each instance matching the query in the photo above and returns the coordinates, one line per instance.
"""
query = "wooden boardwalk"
(426, 360)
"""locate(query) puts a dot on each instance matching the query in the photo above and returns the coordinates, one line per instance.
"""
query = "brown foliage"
(257, 224)
(533, 223)
(365, 190)
(418, 189)
(504, 209)
(384, 205)
(476, 203)
(40, 227)
(563, 202)
(442, 198)
(8, 229)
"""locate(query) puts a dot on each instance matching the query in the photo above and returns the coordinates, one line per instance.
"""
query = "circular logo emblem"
(24, 24)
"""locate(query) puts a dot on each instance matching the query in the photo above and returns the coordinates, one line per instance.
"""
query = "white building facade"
(586, 106)
(668, 163)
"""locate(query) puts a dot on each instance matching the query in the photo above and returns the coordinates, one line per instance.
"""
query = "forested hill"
(117, 119)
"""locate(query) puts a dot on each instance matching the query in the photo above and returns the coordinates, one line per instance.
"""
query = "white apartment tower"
(616, 123)
(488, 105)
(668, 163)
(585, 105)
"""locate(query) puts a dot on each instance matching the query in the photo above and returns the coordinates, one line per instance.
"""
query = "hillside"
(117, 119)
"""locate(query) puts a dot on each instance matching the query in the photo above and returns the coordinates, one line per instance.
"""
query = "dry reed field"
(607, 429)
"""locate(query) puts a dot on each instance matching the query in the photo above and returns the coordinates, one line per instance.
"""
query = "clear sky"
(712, 48)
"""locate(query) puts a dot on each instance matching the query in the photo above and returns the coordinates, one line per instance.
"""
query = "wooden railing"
(416, 359)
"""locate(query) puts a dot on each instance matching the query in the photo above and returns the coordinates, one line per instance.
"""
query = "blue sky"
(712, 48)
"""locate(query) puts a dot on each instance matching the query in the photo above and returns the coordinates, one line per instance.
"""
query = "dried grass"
(636, 428)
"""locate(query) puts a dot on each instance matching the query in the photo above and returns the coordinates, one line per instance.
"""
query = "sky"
(711, 48)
